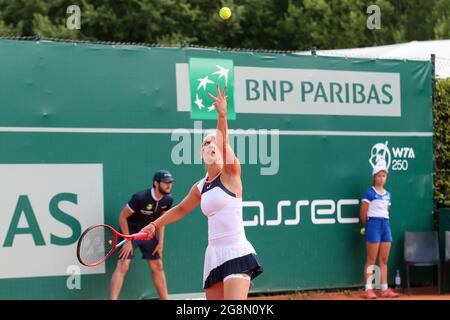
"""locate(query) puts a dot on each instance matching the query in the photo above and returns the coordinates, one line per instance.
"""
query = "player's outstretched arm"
(176, 213)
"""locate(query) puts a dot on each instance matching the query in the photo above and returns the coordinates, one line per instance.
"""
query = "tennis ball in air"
(225, 13)
(362, 231)
(110, 242)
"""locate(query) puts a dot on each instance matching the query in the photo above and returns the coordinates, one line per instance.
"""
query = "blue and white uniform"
(378, 228)
(228, 252)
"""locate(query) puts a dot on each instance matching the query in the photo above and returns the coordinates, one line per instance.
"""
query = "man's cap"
(163, 175)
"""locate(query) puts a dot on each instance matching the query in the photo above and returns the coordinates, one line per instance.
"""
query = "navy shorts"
(378, 230)
(146, 246)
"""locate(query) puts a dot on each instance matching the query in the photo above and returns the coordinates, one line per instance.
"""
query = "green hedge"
(441, 111)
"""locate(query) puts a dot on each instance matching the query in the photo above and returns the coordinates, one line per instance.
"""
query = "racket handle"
(142, 236)
(121, 243)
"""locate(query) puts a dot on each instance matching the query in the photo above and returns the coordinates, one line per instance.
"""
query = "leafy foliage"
(258, 24)
(442, 143)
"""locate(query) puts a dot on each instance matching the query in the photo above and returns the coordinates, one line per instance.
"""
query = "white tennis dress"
(228, 250)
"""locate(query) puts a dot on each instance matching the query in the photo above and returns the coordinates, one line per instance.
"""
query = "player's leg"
(386, 292)
(373, 239)
(159, 278)
(117, 278)
(215, 292)
(372, 252)
(236, 286)
(383, 257)
(385, 248)
(372, 249)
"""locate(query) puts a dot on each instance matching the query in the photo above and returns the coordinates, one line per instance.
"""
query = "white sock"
(368, 286)
(384, 286)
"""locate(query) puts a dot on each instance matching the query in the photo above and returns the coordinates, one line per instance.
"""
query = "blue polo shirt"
(146, 209)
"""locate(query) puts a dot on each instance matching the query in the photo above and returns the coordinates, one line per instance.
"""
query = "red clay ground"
(416, 294)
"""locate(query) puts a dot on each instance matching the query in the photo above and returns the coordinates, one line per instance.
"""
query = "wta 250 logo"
(395, 158)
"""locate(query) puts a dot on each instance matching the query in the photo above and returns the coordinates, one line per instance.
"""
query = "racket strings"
(96, 244)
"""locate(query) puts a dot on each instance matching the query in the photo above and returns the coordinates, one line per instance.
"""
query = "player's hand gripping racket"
(98, 243)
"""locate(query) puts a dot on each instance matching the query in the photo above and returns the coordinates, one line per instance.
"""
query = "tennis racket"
(98, 243)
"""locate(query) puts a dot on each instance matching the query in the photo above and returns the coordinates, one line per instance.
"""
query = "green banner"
(84, 126)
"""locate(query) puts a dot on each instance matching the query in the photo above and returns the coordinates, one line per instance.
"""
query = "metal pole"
(433, 98)
(433, 75)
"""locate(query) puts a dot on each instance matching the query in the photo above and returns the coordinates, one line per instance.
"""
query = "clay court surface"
(415, 294)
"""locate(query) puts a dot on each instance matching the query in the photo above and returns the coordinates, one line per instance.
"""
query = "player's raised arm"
(231, 162)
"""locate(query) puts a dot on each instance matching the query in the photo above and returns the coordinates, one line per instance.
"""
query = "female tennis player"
(230, 259)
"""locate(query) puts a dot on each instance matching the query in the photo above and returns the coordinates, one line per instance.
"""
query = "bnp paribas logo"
(204, 74)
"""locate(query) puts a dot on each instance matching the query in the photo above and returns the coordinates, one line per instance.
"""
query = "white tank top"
(222, 208)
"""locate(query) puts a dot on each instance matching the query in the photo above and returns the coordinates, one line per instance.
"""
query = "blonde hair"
(209, 135)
